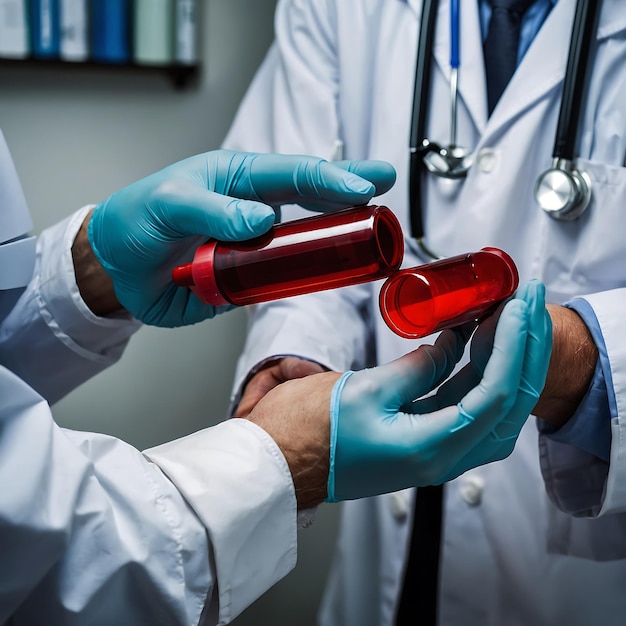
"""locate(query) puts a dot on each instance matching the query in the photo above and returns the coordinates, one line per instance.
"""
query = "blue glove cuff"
(335, 405)
(91, 236)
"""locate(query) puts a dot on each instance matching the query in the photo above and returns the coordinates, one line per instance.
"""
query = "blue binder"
(45, 28)
(110, 31)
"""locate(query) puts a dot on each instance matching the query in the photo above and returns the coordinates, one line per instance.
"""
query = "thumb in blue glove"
(382, 440)
(141, 232)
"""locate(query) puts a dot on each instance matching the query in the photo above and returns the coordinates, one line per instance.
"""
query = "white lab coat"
(341, 72)
(92, 531)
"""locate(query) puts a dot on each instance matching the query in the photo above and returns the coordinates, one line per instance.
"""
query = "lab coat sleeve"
(291, 104)
(51, 339)
(291, 107)
(237, 481)
(93, 531)
(578, 482)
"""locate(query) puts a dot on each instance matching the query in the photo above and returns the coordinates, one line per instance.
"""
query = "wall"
(77, 135)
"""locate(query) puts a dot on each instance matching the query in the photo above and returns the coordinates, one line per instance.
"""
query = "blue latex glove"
(383, 441)
(140, 233)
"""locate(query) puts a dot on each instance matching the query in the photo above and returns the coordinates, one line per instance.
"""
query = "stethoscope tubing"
(566, 137)
(576, 78)
(423, 67)
(455, 62)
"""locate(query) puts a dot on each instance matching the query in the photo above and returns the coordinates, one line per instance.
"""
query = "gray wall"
(76, 135)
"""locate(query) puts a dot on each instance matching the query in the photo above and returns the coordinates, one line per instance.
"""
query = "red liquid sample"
(422, 300)
(327, 251)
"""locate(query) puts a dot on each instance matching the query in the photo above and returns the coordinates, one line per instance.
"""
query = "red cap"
(199, 276)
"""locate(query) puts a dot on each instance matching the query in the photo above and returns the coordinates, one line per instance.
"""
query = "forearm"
(572, 364)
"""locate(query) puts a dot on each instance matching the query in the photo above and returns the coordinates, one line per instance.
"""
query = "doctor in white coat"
(514, 550)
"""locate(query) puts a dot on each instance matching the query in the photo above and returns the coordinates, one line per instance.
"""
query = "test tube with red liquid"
(326, 251)
(418, 301)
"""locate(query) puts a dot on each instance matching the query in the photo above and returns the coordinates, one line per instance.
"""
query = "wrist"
(308, 459)
(572, 366)
(94, 284)
(296, 414)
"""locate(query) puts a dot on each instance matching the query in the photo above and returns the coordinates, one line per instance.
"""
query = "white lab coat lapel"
(472, 86)
(472, 81)
(416, 5)
(544, 64)
(541, 69)
(612, 18)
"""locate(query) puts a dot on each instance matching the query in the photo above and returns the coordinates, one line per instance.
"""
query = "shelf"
(182, 76)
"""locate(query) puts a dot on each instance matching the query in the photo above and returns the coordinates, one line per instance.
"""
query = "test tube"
(350, 246)
(418, 301)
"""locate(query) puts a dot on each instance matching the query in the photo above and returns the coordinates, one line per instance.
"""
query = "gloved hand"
(382, 440)
(140, 233)
(482, 345)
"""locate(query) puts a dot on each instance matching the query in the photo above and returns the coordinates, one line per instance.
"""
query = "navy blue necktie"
(501, 45)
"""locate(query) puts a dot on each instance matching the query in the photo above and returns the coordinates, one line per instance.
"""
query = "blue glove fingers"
(188, 209)
(490, 402)
(418, 372)
(484, 452)
(499, 443)
(486, 405)
(311, 182)
(380, 173)
(536, 362)
(540, 343)
(450, 392)
(375, 448)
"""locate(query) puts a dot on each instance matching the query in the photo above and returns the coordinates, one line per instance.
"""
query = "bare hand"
(273, 374)
(296, 414)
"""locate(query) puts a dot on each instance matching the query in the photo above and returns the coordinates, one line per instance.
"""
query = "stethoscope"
(562, 191)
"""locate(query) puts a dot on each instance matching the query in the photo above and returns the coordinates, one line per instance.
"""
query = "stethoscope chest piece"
(563, 192)
(451, 162)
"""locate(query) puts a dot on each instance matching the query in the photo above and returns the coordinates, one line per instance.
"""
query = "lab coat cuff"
(574, 478)
(60, 303)
(579, 483)
(608, 307)
(237, 480)
(589, 429)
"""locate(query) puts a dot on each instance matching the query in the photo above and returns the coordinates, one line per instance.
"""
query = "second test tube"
(418, 301)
